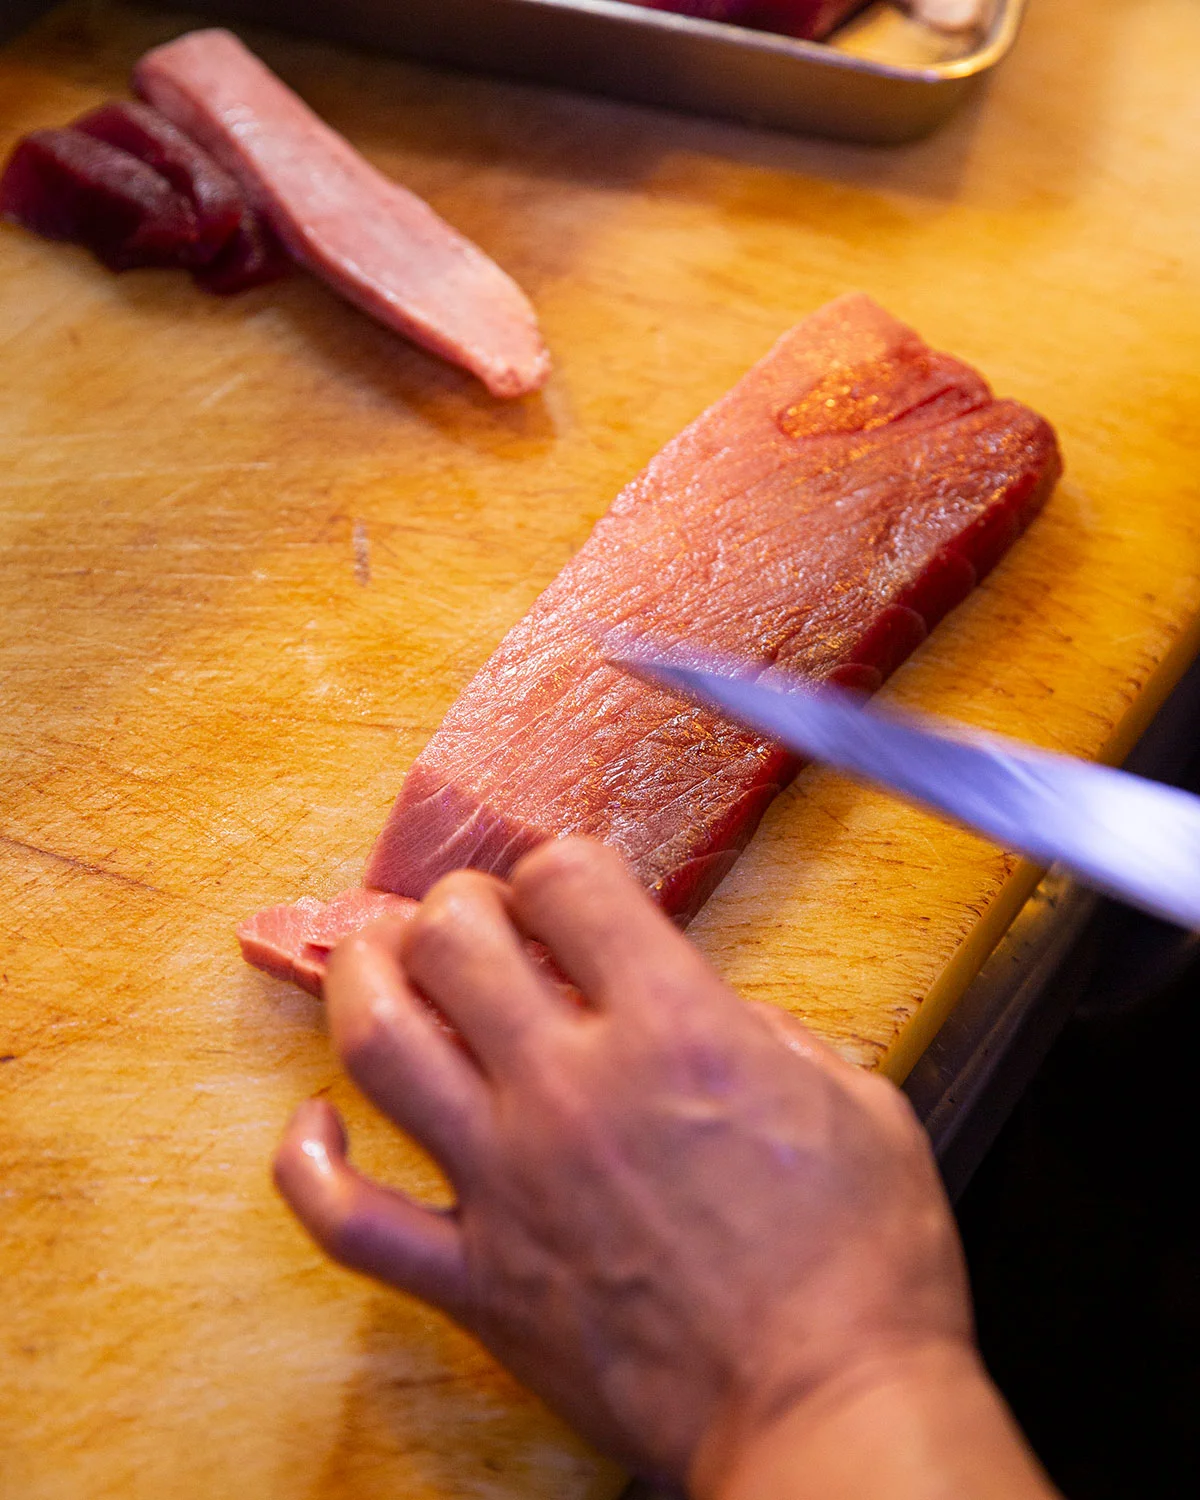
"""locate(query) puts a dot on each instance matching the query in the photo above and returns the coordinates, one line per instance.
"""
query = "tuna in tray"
(229, 167)
(848, 492)
(808, 20)
(815, 20)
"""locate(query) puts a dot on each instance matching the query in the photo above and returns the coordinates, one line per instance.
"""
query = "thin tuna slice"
(68, 186)
(150, 136)
(294, 942)
(846, 494)
(380, 246)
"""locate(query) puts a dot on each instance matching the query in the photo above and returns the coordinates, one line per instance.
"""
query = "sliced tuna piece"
(379, 245)
(819, 519)
(69, 186)
(190, 170)
(125, 182)
(252, 256)
(294, 942)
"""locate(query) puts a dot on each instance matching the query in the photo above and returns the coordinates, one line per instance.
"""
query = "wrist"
(923, 1423)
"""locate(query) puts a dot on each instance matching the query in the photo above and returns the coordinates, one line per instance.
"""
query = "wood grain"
(251, 550)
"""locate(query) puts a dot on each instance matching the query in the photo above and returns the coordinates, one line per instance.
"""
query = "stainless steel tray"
(853, 88)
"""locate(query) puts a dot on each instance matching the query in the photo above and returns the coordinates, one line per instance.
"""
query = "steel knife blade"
(1134, 839)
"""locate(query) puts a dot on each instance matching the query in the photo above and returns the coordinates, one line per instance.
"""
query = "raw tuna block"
(379, 245)
(819, 519)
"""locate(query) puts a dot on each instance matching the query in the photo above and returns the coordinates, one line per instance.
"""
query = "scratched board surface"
(251, 550)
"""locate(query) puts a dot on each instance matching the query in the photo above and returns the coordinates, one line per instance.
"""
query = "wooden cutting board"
(251, 550)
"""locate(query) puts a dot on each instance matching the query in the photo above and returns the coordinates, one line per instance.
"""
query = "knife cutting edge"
(1131, 838)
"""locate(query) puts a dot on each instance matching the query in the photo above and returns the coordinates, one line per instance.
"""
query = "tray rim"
(997, 42)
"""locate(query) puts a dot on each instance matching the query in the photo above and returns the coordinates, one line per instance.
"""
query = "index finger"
(398, 1052)
(581, 900)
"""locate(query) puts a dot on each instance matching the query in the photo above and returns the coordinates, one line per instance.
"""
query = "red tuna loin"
(150, 136)
(820, 518)
(379, 245)
(69, 186)
(846, 494)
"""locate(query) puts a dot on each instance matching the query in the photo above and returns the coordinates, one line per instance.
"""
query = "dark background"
(1084, 1248)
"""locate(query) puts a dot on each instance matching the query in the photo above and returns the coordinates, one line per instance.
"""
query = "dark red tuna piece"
(732, 12)
(69, 186)
(250, 257)
(807, 20)
(190, 170)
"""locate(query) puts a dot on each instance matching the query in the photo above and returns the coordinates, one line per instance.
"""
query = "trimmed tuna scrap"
(378, 245)
(293, 942)
(819, 519)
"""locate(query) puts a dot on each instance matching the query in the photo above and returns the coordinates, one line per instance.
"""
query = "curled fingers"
(399, 1053)
(464, 952)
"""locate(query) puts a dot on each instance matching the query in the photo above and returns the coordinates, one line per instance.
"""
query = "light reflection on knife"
(1134, 839)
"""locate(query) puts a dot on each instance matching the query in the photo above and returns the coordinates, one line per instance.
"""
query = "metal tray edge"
(652, 58)
(997, 42)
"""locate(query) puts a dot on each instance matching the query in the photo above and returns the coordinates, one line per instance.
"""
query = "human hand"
(678, 1215)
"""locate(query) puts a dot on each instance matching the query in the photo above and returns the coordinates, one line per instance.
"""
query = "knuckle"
(704, 1062)
(452, 913)
(566, 1111)
(461, 889)
(678, 1044)
(561, 860)
(438, 929)
(894, 1111)
(352, 954)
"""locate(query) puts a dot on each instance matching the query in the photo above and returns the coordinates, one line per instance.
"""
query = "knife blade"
(1131, 838)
